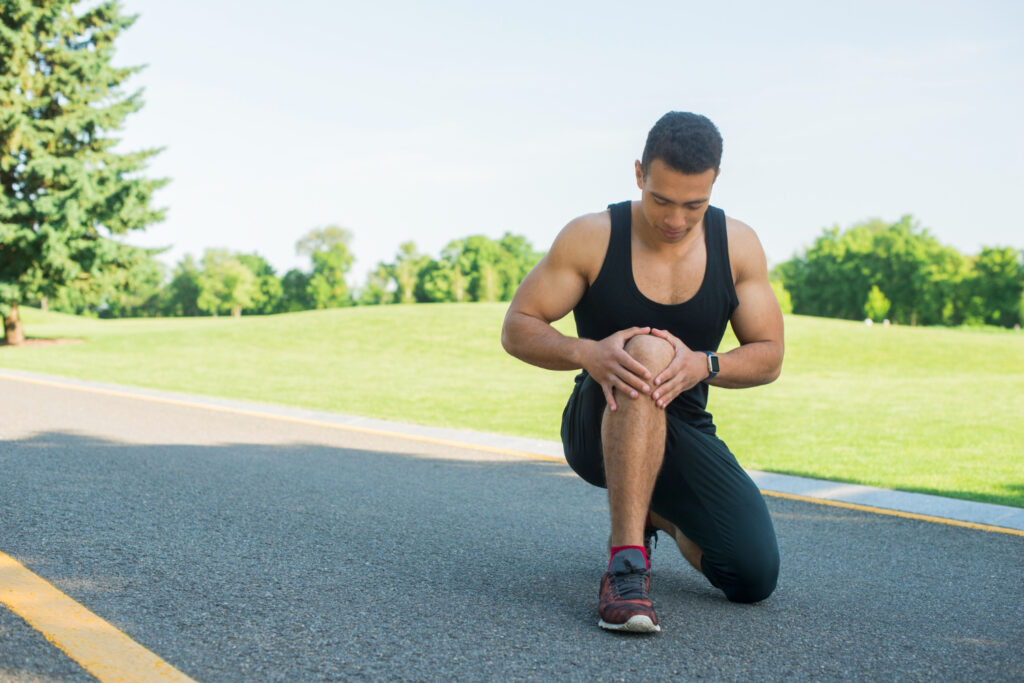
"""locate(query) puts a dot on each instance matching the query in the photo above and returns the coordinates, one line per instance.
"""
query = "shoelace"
(631, 585)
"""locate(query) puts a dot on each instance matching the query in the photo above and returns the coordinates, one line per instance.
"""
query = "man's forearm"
(538, 343)
(749, 365)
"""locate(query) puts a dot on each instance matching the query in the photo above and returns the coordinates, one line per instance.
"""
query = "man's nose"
(676, 219)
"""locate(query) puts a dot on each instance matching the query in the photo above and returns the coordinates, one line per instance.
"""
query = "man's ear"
(639, 174)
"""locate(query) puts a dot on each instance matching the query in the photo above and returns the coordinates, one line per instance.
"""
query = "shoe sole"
(638, 623)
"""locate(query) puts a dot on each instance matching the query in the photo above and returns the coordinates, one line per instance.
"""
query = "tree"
(323, 239)
(475, 268)
(327, 287)
(436, 282)
(182, 294)
(479, 261)
(132, 286)
(999, 280)
(834, 277)
(64, 190)
(517, 259)
(225, 284)
(924, 282)
(267, 298)
(406, 271)
(133, 289)
(295, 292)
(877, 306)
(946, 296)
(454, 271)
(379, 288)
(332, 259)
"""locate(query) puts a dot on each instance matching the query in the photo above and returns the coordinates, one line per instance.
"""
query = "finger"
(672, 390)
(621, 383)
(672, 370)
(633, 332)
(678, 343)
(665, 334)
(608, 398)
(632, 382)
(664, 394)
(633, 366)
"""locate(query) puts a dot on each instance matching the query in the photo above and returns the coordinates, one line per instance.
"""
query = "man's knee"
(653, 352)
(753, 577)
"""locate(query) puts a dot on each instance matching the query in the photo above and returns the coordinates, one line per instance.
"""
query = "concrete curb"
(818, 489)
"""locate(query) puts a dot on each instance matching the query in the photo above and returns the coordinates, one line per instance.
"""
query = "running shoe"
(626, 595)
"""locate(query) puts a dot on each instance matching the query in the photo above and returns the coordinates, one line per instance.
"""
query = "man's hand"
(611, 367)
(684, 372)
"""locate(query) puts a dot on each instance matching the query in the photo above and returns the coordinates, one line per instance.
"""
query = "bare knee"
(654, 352)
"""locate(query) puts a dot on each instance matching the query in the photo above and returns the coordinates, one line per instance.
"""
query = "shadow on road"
(306, 561)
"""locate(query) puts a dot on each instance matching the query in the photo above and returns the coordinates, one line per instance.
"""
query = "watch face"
(714, 363)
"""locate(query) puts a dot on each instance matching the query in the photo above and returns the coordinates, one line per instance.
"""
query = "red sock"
(617, 548)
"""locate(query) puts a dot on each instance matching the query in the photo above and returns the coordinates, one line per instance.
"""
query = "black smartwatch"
(712, 365)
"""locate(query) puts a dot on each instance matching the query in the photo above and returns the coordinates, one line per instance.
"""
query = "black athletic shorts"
(700, 488)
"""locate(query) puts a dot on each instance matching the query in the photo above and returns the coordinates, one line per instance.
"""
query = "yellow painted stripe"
(490, 449)
(101, 649)
(895, 513)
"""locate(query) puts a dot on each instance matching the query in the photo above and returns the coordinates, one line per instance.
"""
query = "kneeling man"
(652, 285)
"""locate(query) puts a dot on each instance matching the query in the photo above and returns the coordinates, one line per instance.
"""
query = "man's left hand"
(687, 368)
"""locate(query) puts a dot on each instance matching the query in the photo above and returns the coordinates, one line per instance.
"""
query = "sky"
(434, 121)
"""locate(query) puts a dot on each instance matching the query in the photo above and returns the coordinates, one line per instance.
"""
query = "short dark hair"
(687, 142)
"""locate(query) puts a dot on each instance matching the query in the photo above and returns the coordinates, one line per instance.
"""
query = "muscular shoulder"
(582, 244)
(746, 255)
(561, 278)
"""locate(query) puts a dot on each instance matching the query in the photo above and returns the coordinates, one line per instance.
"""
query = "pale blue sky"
(431, 121)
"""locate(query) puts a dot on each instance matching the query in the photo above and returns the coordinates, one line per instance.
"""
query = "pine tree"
(65, 192)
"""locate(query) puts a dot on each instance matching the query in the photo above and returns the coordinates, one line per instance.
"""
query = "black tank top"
(613, 302)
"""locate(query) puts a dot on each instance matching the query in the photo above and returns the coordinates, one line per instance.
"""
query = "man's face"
(673, 202)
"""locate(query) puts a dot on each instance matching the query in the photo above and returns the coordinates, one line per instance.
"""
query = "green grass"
(920, 409)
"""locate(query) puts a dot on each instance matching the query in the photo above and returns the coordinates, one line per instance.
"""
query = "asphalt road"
(242, 548)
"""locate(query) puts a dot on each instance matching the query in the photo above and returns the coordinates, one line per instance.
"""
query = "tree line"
(878, 270)
(899, 271)
(222, 282)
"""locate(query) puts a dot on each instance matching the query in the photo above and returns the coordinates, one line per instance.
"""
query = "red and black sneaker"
(626, 595)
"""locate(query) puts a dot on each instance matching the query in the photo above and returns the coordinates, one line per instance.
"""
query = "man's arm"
(757, 322)
(549, 292)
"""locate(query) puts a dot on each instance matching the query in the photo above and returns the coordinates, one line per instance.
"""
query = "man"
(652, 285)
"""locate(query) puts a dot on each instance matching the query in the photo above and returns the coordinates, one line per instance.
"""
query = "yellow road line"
(895, 513)
(491, 449)
(102, 650)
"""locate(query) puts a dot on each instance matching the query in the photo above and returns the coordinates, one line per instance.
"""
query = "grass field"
(920, 409)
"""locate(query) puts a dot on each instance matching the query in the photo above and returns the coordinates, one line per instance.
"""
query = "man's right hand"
(613, 368)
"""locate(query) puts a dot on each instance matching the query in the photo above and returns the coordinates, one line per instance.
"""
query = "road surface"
(237, 547)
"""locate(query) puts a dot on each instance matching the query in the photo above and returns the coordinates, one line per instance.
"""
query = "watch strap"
(712, 365)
